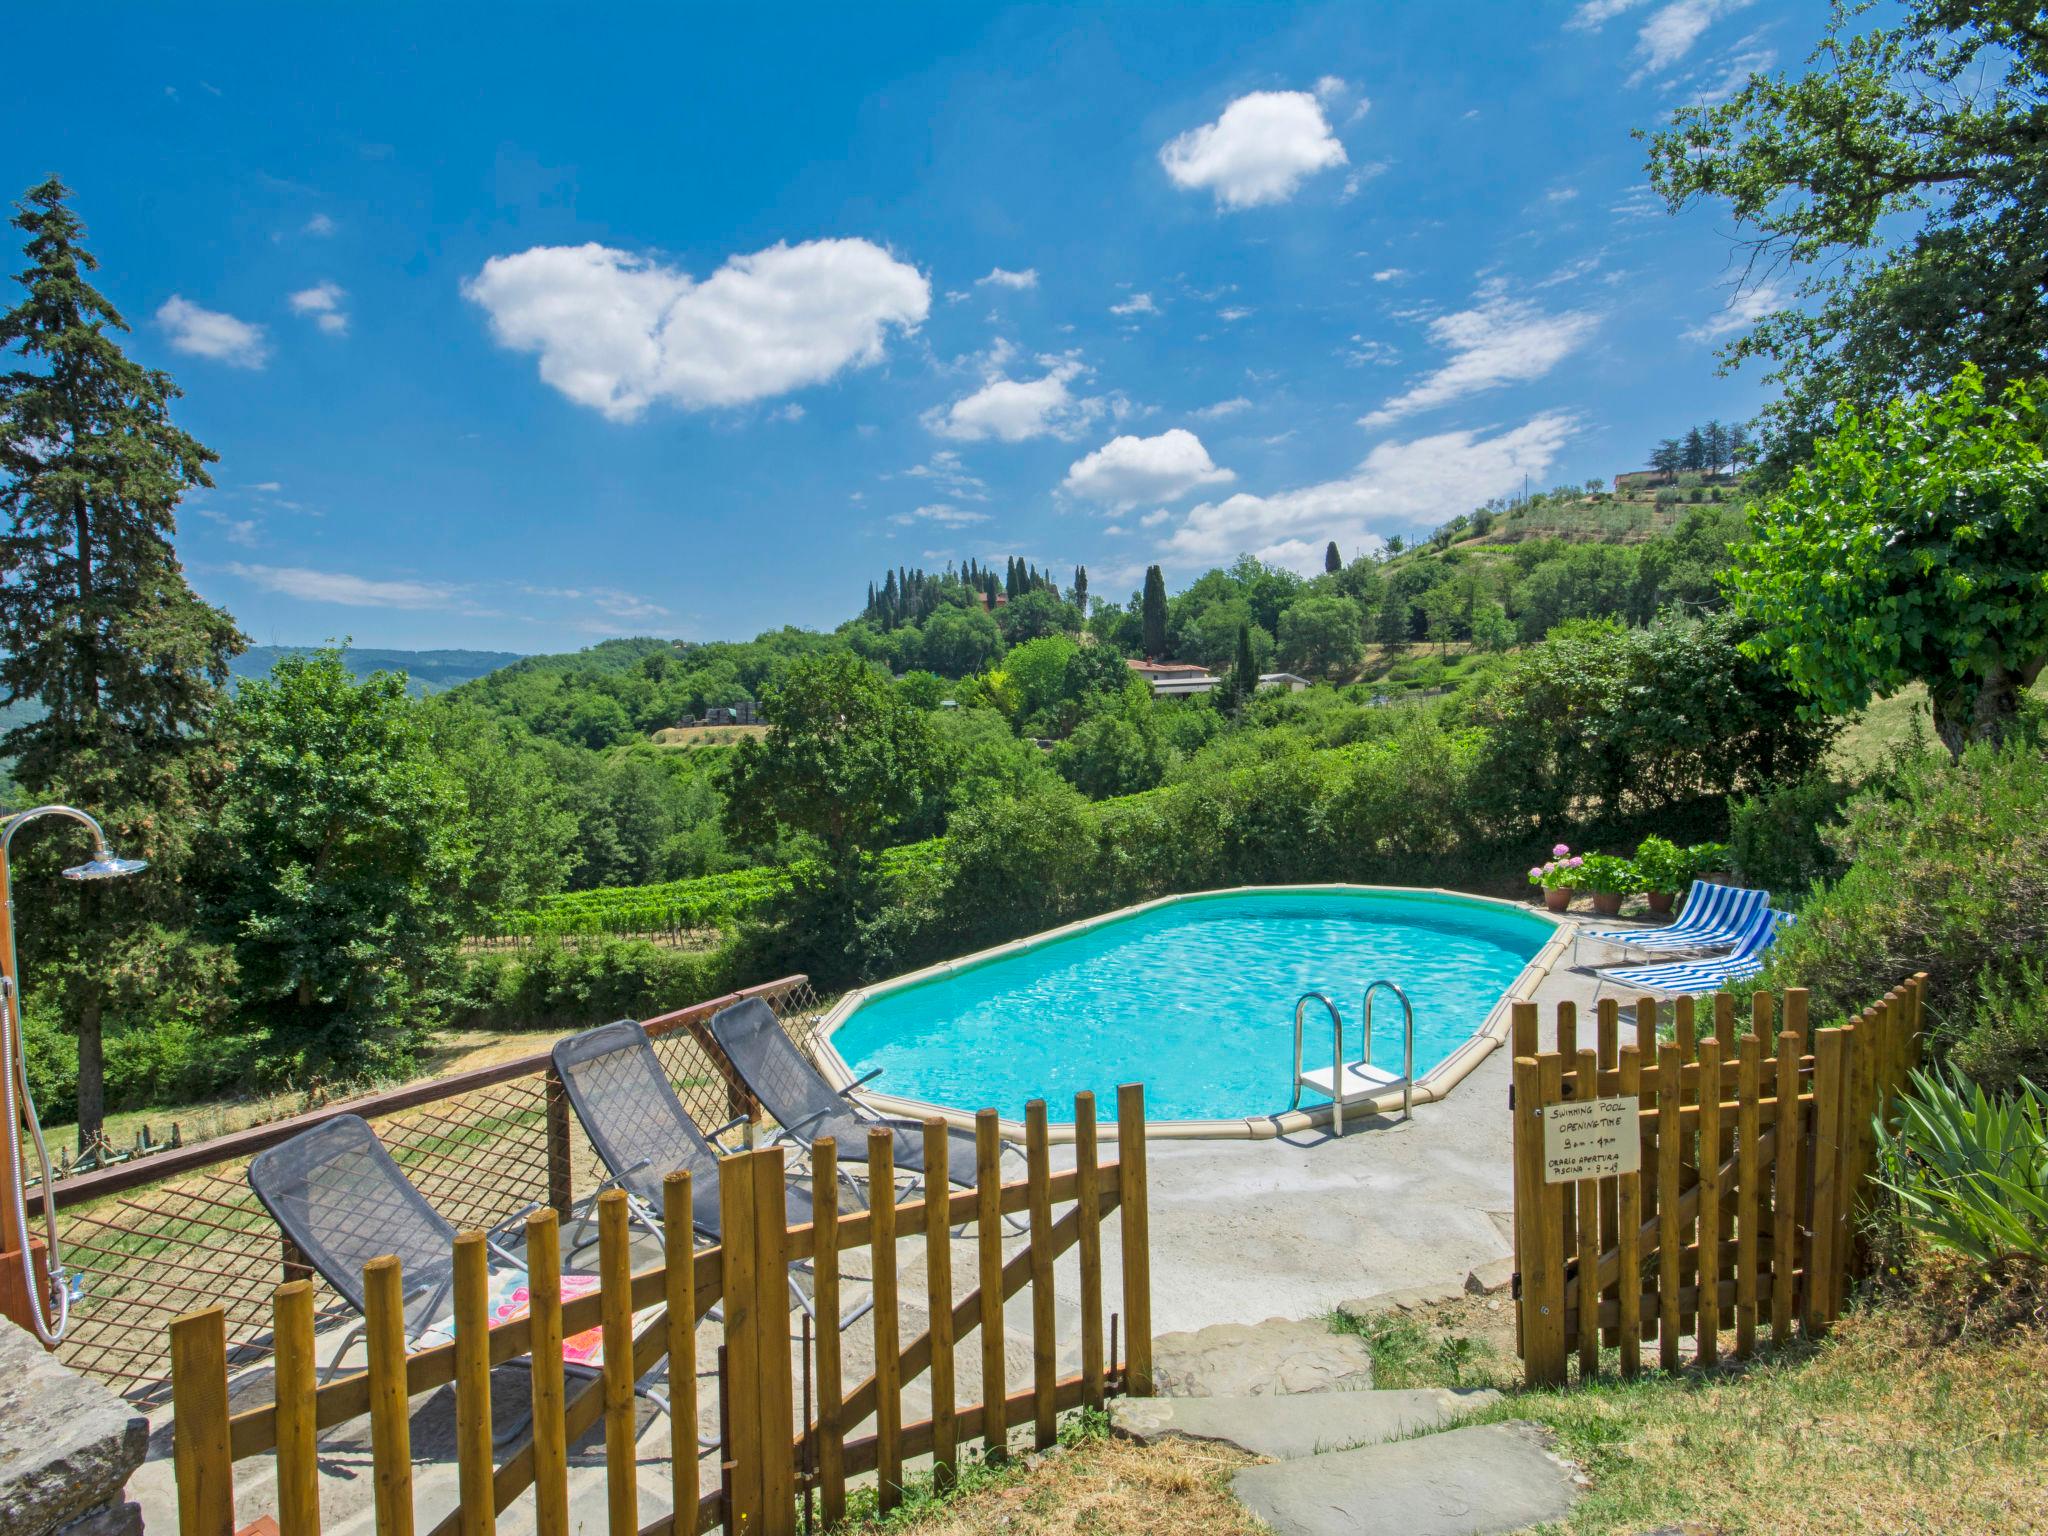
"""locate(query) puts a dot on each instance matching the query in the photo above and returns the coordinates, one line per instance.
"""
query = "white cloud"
(1371, 170)
(1128, 470)
(320, 225)
(211, 334)
(1136, 304)
(1735, 70)
(618, 332)
(1259, 151)
(1012, 410)
(627, 607)
(790, 412)
(236, 530)
(945, 471)
(1222, 408)
(267, 485)
(1591, 15)
(1389, 274)
(1499, 341)
(1330, 88)
(1669, 33)
(350, 591)
(944, 513)
(1233, 315)
(1743, 309)
(1398, 486)
(1154, 519)
(323, 304)
(1560, 194)
(1000, 278)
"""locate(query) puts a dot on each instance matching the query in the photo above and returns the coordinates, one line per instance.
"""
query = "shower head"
(103, 865)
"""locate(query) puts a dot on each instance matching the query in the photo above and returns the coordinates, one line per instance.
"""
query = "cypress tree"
(1244, 674)
(1155, 613)
(1332, 561)
(98, 625)
(1081, 589)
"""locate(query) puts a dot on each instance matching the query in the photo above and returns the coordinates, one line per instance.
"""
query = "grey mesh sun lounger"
(809, 1109)
(639, 1128)
(336, 1193)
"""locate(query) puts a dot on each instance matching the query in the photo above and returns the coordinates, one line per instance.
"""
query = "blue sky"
(517, 328)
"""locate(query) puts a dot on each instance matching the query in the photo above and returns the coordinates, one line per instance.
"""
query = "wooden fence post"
(771, 1316)
(1588, 1235)
(888, 1342)
(1543, 1342)
(938, 1270)
(831, 1466)
(1136, 1239)
(1628, 1288)
(297, 1379)
(390, 1426)
(1670, 1232)
(1786, 1185)
(199, 1445)
(1828, 1045)
(544, 1373)
(1088, 1198)
(988, 1237)
(1044, 1346)
(1707, 1306)
(474, 1465)
(561, 1172)
(615, 1318)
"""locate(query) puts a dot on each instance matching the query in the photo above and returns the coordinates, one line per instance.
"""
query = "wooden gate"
(1741, 1212)
(771, 1460)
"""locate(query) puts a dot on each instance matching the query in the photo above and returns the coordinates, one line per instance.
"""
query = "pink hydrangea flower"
(1535, 873)
(1573, 863)
(1561, 850)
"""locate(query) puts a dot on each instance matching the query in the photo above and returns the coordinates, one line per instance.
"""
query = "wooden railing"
(1740, 1210)
(771, 1459)
(153, 1238)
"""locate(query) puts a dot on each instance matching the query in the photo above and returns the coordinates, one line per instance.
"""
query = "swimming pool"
(1192, 996)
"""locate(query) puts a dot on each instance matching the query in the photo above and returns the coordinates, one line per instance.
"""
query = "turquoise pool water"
(1194, 999)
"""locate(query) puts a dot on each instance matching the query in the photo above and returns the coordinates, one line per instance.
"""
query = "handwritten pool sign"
(1590, 1139)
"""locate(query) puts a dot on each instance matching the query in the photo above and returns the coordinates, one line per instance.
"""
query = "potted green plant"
(1706, 861)
(1557, 877)
(1663, 869)
(1609, 877)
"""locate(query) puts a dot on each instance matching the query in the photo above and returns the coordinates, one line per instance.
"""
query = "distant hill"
(428, 671)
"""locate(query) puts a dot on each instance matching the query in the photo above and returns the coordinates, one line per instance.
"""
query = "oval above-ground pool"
(1194, 997)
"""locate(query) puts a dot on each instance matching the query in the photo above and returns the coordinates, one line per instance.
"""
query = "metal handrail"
(1336, 1050)
(1408, 1043)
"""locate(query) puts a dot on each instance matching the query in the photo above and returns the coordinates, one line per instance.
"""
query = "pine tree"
(1332, 561)
(1155, 613)
(1667, 457)
(1695, 452)
(98, 625)
(1715, 441)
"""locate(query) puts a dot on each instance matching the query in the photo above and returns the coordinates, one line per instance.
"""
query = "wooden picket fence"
(1743, 1210)
(771, 1464)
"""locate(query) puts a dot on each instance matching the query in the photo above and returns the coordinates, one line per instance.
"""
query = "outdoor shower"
(103, 865)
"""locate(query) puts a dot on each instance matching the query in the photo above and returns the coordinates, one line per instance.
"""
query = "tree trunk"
(92, 1074)
(1983, 710)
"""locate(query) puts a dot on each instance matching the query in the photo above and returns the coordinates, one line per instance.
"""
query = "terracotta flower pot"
(1607, 903)
(1660, 901)
(1557, 897)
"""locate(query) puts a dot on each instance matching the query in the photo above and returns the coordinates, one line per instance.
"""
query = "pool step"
(1360, 1081)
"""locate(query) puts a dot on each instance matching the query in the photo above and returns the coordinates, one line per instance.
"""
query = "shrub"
(1970, 1168)
(2001, 1028)
(1661, 865)
(1777, 838)
(1607, 874)
(1948, 874)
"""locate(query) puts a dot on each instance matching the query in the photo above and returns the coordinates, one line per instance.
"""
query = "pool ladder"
(1361, 1079)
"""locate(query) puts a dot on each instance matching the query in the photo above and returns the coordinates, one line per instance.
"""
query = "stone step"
(1486, 1480)
(1260, 1360)
(1290, 1426)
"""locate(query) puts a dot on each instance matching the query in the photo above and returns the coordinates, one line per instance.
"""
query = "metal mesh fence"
(201, 1239)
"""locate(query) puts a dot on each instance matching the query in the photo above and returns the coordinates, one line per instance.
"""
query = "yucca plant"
(1970, 1169)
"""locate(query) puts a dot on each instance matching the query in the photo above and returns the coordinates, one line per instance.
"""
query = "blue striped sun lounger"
(1714, 917)
(1693, 976)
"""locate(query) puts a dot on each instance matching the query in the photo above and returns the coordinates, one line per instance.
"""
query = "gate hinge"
(1511, 1095)
(1515, 1285)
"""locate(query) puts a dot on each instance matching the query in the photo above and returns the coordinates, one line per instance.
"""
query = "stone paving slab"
(1484, 1481)
(1302, 1424)
(1259, 1360)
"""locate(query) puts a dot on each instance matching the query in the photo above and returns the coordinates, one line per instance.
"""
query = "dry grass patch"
(1096, 1486)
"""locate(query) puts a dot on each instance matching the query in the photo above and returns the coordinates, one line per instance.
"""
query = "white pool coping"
(1430, 1088)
